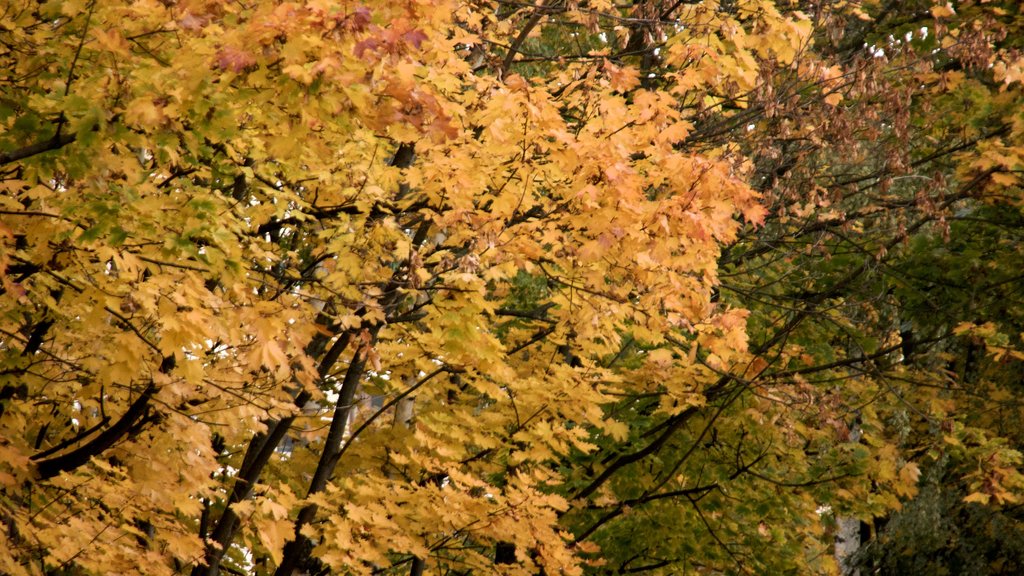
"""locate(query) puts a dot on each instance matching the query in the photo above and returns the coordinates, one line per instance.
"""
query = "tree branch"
(58, 141)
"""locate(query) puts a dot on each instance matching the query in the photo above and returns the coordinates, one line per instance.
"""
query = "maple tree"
(410, 287)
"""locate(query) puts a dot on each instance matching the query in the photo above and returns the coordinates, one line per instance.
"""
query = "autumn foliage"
(499, 287)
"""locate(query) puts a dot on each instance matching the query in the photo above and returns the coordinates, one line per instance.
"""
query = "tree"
(930, 211)
(429, 286)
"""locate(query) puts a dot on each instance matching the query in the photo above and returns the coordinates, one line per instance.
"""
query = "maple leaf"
(234, 59)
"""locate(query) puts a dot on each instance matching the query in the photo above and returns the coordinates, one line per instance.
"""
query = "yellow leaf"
(274, 534)
(299, 73)
(978, 497)
(617, 430)
(660, 357)
(943, 11)
(144, 113)
(112, 41)
(1005, 179)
